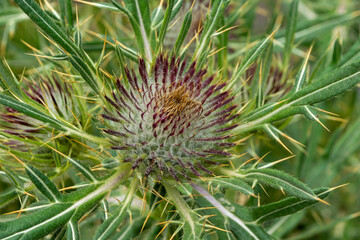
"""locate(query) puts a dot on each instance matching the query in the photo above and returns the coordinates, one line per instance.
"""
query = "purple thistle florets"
(172, 123)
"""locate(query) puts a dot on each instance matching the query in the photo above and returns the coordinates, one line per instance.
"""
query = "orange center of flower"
(178, 101)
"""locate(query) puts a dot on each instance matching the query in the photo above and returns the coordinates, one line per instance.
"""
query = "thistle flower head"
(54, 95)
(169, 123)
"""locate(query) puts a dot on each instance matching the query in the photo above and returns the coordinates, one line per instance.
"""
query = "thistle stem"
(113, 181)
(94, 139)
(184, 210)
(231, 173)
(131, 191)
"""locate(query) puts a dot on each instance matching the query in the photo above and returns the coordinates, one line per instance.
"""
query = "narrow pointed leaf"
(14, 178)
(350, 54)
(336, 52)
(328, 86)
(284, 207)
(176, 9)
(322, 89)
(79, 58)
(235, 184)
(109, 226)
(85, 72)
(165, 24)
(38, 16)
(78, 39)
(72, 231)
(212, 23)
(301, 76)
(43, 222)
(37, 225)
(121, 59)
(183, 32)
(250, 57)
(222, 216)
(66, 13)
(44, 184)
(83, 169)
(105, 207)
(279, 179)
(140, 33)
(139, 10)
(8, 79)
(6, 198)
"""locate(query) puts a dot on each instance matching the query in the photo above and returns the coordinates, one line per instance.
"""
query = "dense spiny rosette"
(172, 123)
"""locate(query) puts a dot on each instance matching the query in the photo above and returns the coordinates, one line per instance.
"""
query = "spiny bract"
(172, 122)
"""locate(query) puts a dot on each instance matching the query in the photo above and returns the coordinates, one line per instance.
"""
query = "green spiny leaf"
(85, 72)
(83, 169)
(250, 57)
(139, 11)
(72, 231)
(37, 225)
(284, 207)
(44, 184)
(38, 16)
(235, 184)
(108, 227)
(281, 180)
(328, 86)
(8, 80)
(211, 24)
(301, 75)
(66, 13)
(222, 216)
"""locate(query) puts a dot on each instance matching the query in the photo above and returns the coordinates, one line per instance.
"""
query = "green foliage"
(66, 171)
(30, 111)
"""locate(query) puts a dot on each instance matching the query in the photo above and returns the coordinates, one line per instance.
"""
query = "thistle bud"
(172, 123)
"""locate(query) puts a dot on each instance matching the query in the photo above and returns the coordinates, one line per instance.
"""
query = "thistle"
(100, 126)
(48, 92)
(172, 122)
